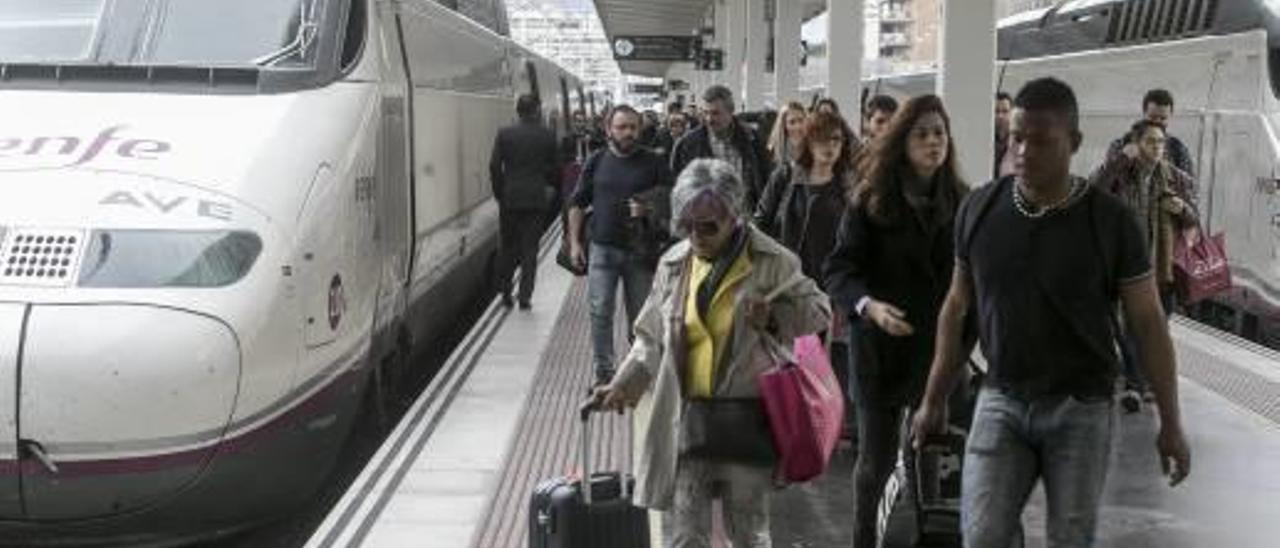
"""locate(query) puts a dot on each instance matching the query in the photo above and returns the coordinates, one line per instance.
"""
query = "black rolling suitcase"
(938, 470)
(921, 503)
(564, 515)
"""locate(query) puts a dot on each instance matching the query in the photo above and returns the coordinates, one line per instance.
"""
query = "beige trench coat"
(651, 372)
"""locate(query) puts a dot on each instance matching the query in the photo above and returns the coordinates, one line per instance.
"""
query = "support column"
(786, 52)
(844, 56)
(967, 82)
(757, 48)
(720, 17)
(736, 45)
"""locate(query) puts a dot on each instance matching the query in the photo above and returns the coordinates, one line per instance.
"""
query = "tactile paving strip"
(1237, 384)
(547, 439)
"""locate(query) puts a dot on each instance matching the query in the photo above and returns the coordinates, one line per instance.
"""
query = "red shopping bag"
(805, 408)
(1200, 268)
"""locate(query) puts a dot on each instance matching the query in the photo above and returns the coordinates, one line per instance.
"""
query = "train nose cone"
(118, 405)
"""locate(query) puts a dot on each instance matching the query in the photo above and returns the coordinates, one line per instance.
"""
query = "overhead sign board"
(648, 89)
(655, 48)
(710, 59)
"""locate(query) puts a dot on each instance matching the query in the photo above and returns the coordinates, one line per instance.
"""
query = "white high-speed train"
(216, 220)
(1221, 61)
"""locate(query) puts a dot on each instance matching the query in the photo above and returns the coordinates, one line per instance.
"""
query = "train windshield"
(160, 32)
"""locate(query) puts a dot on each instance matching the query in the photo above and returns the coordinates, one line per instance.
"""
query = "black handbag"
(565, 260)
(727, 430)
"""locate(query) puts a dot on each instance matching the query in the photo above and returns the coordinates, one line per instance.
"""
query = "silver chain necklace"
(1026, 209)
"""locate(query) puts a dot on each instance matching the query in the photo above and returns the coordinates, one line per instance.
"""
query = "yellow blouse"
(707, 338)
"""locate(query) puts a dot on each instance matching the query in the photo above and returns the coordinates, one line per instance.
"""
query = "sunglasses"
(701, 228)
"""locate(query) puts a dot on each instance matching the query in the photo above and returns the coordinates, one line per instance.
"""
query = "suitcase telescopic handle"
(584, 418)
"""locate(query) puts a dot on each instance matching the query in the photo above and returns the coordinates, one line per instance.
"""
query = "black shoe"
(525, 305)
(505, 298)
(603, 377)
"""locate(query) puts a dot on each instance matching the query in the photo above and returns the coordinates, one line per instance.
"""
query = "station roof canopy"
(664, 17)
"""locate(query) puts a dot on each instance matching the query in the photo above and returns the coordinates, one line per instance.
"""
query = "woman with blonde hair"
(784, 140)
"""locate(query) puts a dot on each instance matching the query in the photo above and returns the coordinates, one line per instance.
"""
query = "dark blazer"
(755, 159)
(772, 214)
(775, 213)
(907, 264)
(524, 167)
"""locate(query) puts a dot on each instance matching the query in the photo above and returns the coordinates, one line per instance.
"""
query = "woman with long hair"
(891, 269)
(784, 140)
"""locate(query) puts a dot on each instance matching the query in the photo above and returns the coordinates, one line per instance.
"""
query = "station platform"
(457, 472)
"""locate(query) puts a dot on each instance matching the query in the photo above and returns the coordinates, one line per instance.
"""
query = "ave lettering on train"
(164, 204)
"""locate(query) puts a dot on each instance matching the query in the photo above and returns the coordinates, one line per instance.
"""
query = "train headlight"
(167, 258)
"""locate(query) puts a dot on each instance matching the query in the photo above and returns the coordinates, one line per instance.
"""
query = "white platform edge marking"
(520, 330)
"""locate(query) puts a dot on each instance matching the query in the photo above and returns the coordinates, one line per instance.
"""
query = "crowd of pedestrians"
(874, 242)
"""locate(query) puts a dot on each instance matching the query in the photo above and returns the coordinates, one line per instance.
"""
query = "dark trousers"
(1133, 377)
(520, 233)
(880, 425)
(841, 363)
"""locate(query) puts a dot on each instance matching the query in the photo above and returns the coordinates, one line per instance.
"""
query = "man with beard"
(614, 184)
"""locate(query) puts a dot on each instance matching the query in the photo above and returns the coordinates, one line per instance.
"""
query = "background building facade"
(1010, 7)
(569, 33)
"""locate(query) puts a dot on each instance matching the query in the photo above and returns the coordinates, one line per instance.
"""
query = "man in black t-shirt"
(618, 186)
(1041, 258)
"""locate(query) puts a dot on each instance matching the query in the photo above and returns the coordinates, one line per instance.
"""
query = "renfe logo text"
(81, 151)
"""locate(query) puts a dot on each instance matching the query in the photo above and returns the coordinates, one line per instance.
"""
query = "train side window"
(451, 4)
(353, 42)
(531, 72)
(1273, 64)
(486, 13)
(565, 109)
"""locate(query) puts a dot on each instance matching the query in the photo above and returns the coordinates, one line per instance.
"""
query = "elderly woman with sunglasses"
(702, 338)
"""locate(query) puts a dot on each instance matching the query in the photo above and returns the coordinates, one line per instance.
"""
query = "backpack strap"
(978, 211)
(589, 168)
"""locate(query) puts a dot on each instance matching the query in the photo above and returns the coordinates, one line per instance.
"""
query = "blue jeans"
(1062, 440)
(608, 265)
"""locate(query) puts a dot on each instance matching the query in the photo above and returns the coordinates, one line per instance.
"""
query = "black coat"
(907, 264)
(663, 144)
(776, 212)
(523, 167)
(755, 159)
(773, 211)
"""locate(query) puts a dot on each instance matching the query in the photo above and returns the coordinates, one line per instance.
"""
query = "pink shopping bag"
(805, 408)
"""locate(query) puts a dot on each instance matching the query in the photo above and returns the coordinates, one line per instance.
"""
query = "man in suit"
(523, 170)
